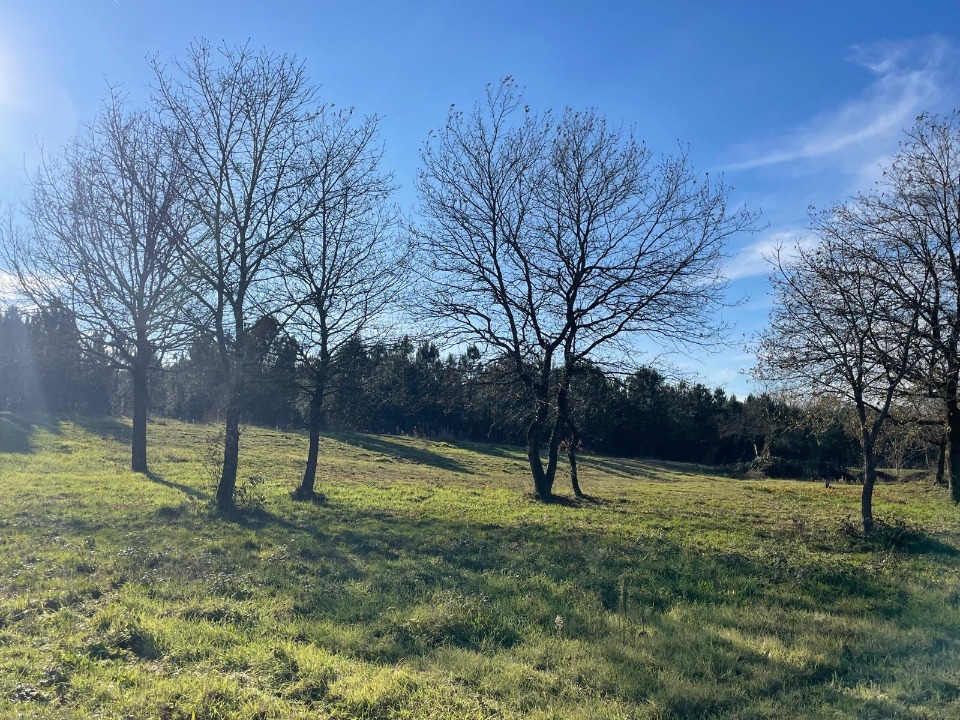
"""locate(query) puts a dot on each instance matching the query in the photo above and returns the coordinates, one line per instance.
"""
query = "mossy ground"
(429, 584)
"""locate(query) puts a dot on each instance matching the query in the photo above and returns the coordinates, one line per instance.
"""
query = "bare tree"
(550, 241)
(345, 268)
(915, 213)
(249, 122)
(108, 230)
(632, 247)
(837, 331)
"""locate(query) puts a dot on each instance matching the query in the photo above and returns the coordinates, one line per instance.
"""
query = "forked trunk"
(543, 477)
(542, 484)
(564, 421)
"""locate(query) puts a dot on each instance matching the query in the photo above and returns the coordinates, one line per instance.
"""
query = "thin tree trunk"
(869, 480)
(307, 484)
(942, 460)
(138, 444)
(553, 456)
(953, 432)
(564, 421)
(231, 450)
(572, 455)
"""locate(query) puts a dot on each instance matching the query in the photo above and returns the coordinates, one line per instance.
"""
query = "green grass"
(430, 585)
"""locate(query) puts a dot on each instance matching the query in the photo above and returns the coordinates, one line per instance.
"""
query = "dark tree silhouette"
(345, 267)
(550, 241)
(250, 124)
(915, 214)
(837, 330)
(108, 233)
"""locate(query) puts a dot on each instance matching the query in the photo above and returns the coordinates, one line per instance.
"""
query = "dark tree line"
(44, 366)
(409, 387)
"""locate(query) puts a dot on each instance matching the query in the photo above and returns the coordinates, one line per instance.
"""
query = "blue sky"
(796, 103)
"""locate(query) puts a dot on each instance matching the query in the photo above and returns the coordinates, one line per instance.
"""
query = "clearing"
(430, 585)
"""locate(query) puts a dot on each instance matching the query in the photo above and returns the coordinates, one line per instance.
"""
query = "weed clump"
(120, 633)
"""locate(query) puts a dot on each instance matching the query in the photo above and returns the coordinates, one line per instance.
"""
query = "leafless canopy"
(837, 329)
(345, 268)
(538, 228)
(108, 234)
(107, 230)
(250, 123)
(546, 235)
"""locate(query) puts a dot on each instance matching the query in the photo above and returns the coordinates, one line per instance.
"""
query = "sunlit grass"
(430, 585)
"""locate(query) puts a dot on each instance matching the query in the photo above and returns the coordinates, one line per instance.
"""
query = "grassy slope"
(430, 586)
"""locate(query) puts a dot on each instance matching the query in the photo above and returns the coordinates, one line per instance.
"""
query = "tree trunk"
(138, 444)
(231, 450)
(542, 486)
(866, 495)
(307, 484)
(953, 442)
(942, 460)
(572, 454)
(564, 421)
(542, 477)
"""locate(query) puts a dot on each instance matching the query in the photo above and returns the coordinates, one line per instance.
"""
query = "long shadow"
(646, 469)
(909, 539)
(182, 487)
(499, 451)
(621, 468)
(18, 429)
(478, 547)
(106, 428)
(400, 561)
(421, 456)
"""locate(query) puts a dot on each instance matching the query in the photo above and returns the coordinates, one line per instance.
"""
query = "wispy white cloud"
(754, 260)
(909, 78)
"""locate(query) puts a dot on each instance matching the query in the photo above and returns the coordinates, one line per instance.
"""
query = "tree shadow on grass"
(499, 451)
(17, 430)
(568, 501)
(402, 451)
(402, 583)
(182, 487)
(901, 537)
(649, 470)
(106, 428)
(394, 566)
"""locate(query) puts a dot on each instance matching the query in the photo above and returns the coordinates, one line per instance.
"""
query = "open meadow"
(430, 584)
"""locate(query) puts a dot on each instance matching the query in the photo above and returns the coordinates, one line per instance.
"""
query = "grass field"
(430, 585)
